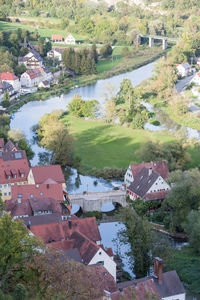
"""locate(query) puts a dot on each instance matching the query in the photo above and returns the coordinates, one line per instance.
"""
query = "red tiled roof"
(104, 279)
(42, 173)
(8, 76)
(56, 37)
(137, 288)
(158, 166)
(63, 245)
(58, 231)
(109, 251)
(28, 206)
(13, 166)
(33, 73)
(68, 35)
(41, 191)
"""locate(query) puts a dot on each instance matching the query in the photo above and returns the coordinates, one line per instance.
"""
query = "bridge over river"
(94, 201)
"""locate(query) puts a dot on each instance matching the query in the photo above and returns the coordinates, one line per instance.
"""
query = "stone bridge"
(94, 201)
(162, 38)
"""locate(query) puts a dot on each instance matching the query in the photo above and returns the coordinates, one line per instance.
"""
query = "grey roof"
(43, 219)
(4, 86)
(40, 204)
(46, 70)
(170, 286)
(143, 182)
(36, 54)
(20, 154)
(73, 254)
(22, 59)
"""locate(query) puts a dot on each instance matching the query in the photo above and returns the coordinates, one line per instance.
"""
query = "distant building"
(4, 87)
(44, 84)
(184, 69)
(31, 78)
(148, 185)
(11, 79)
(164, 286)
(70, 40)
(196, 79)
(57, 38)
(55, 53)
(31, 60)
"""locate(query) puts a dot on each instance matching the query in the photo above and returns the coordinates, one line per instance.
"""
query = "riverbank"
(141, 59)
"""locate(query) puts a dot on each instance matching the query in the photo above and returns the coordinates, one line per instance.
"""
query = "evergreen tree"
(93, 53)
(20, 292)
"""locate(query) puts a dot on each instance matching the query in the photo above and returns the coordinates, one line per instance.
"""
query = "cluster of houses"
(38, 196)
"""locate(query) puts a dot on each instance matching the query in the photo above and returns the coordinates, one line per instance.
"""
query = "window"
(5, 185)
(8, 177)
(5, 194)
(22, 175)
(19, 195)
(14, 176)
(0, 186)
(41, 193)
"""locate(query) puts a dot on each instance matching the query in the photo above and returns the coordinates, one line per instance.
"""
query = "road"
(181, 85)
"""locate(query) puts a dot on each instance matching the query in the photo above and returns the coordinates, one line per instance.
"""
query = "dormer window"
(8, 174)
(21, 171)
(14, 173)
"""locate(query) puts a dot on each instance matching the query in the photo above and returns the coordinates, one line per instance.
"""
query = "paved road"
(182, 84)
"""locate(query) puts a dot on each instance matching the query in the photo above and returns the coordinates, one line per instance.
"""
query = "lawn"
(190, 119)
(100, 144)
(104, 65)
(44, 32)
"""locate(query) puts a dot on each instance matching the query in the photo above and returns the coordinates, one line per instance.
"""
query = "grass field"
(44, 32)
(100, 144)
(108, 64)
(104, 145)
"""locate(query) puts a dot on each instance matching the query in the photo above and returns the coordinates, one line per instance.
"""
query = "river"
(30, 114)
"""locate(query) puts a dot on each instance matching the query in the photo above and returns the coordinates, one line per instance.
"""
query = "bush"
(155, 122)
(96, 214)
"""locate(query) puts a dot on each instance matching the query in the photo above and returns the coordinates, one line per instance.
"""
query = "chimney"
(47, 186)
(69, 222)
(150, 171)
(158, 269)
(29, 224)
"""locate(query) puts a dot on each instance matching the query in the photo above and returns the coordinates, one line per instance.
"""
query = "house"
(31, 60)
(165, 286)
(134, 169)
(14, 170)
(49, 190)
(31, 78)
(70, 40)
(4, 87)
(46, 74)
(9, 146)
(55, 53)
(11, 79)
(44, 84)
(80, 234)
(51, 174)
(148, 185)
(196, 79)
(57, 38)
(184, 69)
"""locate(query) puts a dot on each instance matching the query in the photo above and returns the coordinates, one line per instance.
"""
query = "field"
(44, 32)
(100, 144)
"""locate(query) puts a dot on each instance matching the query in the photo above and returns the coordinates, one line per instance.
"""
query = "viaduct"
(94, 201)
(162, 38)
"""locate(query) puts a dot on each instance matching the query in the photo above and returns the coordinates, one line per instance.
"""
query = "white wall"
(159, 185)
(109, 264)
(176, 297)
(128, 178)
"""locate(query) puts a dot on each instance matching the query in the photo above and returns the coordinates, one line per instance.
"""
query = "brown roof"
(159, 166)
(63, 245)
(139, 288)
(43, 219)
(34, 73)
(156, 196)
(41, 191)
(14, 155)
(42, 173)
(56, 37)
(9, 146)
(28, 206)
(60, 231)
(104, 279)
(13, 167)
(86, 247)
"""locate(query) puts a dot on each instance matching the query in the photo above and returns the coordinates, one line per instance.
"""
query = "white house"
(148, 185)
(11, 79)
(96, 255)
(31, 78)
(184, 69)
(31, 60)
(5, 86)
(133, 170)
(70, 40)
(44, 84)
(55, 54)
(46, 74)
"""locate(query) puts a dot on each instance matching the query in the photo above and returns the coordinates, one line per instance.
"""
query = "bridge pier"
(164, 44)
(151, 42)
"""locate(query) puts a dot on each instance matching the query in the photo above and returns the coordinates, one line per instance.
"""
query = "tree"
(93, 53)
(16, 248)
(6, 99)
(20, 292)
(76, 106)
(192, 228)
(54, 135)
(18, 137)
(106, 50)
